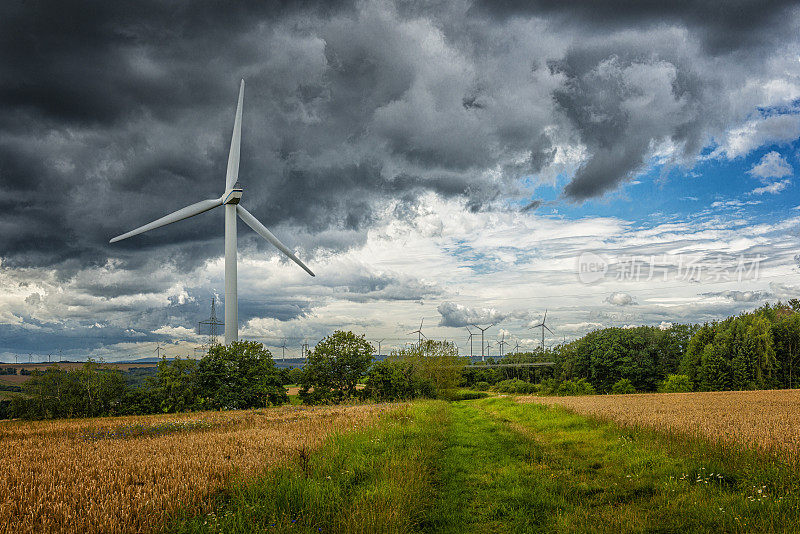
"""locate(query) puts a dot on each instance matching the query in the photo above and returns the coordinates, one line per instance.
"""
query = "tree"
(175, 387)
(714, 370)
(676, 384)
(238, 376)
(334, 367)
(622, 386)
(431, 369)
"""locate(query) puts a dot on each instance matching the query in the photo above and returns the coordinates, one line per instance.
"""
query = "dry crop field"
(769, 420)
(126, 474)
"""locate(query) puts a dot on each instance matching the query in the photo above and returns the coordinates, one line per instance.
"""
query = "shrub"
(675, 384)
(622, 386)
(570, 388)
(515, 386)
(454, 395)
(432, 369)
(481, 386)
(397, 380)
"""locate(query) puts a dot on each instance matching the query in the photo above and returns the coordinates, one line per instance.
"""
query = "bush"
(396, 380)
(453, 395)
(295, 375)
(481, 386)
(622, 386)
(515, 386)
(570, 388)
(675, 384)
(432, 369)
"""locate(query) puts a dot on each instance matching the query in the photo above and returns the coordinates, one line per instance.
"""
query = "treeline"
(756, 350)
(239, 376)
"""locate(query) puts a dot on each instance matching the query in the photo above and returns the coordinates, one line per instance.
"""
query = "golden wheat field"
(769, 420)
(126, 474)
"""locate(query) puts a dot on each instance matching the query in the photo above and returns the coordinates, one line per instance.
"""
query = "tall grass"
(377, 480)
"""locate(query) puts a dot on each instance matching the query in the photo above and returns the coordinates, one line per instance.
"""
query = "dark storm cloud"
(723, 26)
(629, 94)
(280, 309)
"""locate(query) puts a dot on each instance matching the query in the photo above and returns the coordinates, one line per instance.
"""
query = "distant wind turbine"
(379, 345)
(543, 325)
(230, 199)
(471, 335)
(419, 331)
(483, 358)
(502, 343)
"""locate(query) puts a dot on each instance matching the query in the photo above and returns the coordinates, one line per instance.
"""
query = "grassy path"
(515, 468)
(496, 466)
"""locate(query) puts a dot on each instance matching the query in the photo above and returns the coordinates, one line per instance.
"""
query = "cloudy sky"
(616, 163)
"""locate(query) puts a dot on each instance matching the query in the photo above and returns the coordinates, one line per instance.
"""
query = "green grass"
(492, 465)
(547, 469)
(378, 480)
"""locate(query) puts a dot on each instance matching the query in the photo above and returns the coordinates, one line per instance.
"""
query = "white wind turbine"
(230, 199)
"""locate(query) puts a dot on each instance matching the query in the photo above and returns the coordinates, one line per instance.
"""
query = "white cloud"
(773, 188)
(178, 332)
(759, 132)
(619, 298)
(772, 165)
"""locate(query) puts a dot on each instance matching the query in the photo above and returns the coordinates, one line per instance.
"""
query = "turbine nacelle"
(233, 195)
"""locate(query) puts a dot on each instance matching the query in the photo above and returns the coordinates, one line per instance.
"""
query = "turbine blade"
(544, 325)
(184, 213)
(236, 141)
(261, 230)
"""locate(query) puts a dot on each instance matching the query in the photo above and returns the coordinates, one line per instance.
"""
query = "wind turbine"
(543, 326)
(230, 199)
(471, 335)
(419, 331)
(502, 343)
(379, 345)
(483, 358)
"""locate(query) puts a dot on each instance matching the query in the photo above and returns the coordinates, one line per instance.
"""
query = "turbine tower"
(483, 358)
(419, 331)
(230, 199)
(543, 326)
(502, 343)
(379, 341)
(471, 335)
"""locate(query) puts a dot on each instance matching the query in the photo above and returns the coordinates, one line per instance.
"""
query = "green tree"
(714, 370)
(431, 369)
(675, 384)
(238, 376)
(175, 387)
(622, 386)
(334, 367)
